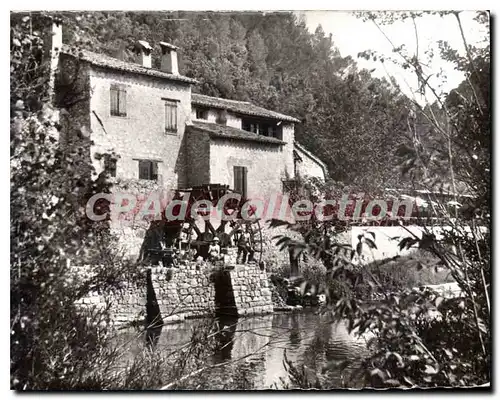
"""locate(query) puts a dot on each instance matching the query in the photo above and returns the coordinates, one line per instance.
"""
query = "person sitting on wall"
(244, 246)
(214, 251)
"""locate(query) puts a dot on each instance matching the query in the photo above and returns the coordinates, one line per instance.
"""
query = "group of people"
(243, 240)
(169, 255)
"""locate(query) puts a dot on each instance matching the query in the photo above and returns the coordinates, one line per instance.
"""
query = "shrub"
(55, 344)
(420, 338)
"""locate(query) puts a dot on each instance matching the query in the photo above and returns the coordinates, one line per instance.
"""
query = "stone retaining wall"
(184, 292)
(192, 290)
(252, 294)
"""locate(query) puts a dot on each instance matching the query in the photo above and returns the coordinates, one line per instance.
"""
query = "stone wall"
(133, 228)
(251, 290)
(288, 136)
(266, 165)
(233, 120)
(141, 133)
(188, 293)
(173, 293)
(192, 290)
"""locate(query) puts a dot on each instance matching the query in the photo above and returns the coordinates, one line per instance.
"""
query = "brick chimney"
(169, 58)
(143, 53)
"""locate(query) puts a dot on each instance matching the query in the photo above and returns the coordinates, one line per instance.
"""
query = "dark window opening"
(148, 170)
(251, 127)
(269, 129)
(278, 131)
(171, 116)
(240, 180)
(273, 131)
(201, 113)
(118, 101)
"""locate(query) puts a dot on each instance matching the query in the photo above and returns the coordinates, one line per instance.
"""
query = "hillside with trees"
(353, 121)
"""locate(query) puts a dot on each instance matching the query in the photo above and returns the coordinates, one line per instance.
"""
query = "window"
(118, 100)
(240, 180)
(148, 170)
(110, 166)
(250, 126)
(269, 130)
(201, 114)
(265, 128)
(171, 116)
(272, 131)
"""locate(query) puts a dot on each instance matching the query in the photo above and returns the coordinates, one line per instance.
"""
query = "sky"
(351, 35)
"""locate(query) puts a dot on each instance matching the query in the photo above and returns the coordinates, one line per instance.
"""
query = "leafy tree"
(419, 337)
(354, 122)
(52, 343)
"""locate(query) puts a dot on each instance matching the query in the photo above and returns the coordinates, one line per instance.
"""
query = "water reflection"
(225, 338)
(254, 348)
(152, 337)
(295, 331)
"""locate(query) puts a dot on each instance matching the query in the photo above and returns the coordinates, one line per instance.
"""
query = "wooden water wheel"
(193, 235)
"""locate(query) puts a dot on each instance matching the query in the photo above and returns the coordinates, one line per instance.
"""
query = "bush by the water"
(419, 268)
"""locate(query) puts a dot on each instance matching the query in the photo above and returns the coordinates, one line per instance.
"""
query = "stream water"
(253, 349)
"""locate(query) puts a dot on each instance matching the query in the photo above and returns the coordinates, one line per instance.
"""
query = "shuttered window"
(118, 100)
(171, 116)
(148, 170)
(240, 180)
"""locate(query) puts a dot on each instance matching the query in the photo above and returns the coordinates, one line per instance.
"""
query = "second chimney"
(169, 58)
(143, 51)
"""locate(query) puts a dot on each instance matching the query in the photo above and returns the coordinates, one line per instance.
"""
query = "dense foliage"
(352, 121)
(419, 336)
(51, 343)
(55, 344)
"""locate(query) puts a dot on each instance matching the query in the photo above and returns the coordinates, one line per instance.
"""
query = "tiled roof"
(240, 107)
(228, 132)
(102, 60)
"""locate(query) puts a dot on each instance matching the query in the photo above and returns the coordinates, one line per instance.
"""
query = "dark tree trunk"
(294, 264)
